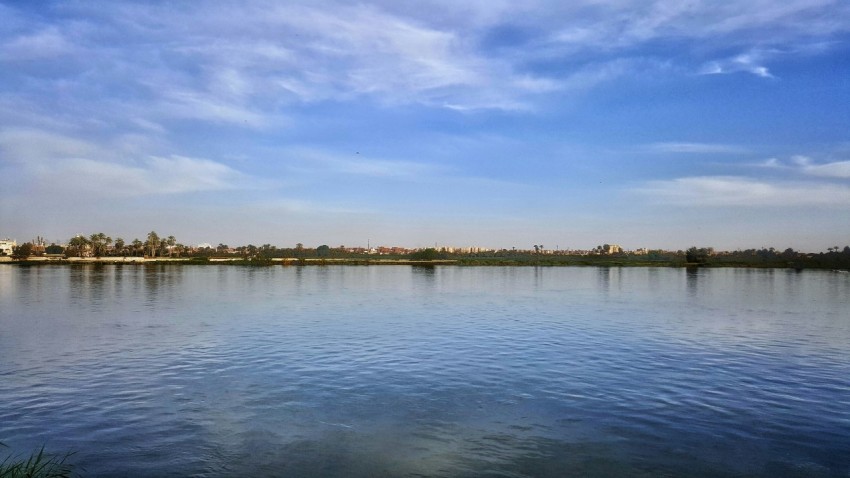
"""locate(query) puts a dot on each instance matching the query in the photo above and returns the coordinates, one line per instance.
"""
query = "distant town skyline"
(113, 244)
(653, 124)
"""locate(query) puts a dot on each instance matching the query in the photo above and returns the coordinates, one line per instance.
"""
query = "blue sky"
(487, 123)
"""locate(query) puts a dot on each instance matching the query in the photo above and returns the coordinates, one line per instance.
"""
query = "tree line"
(100, 245)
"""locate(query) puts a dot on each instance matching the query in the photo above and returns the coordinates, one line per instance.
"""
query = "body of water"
(162, 370)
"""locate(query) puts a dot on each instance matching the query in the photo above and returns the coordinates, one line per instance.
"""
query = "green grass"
(37, 465)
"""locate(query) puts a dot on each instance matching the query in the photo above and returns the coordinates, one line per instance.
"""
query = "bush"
(20, 253)
(429, 254)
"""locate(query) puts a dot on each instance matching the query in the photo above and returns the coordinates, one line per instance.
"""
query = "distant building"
(611, 249)
(6, 247)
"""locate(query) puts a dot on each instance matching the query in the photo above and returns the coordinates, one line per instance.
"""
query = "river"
(180, 370)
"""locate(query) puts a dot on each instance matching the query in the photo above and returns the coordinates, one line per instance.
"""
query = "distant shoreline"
(474, 262)
(285, 261)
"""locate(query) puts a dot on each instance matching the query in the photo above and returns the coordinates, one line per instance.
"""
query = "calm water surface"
(398, 371)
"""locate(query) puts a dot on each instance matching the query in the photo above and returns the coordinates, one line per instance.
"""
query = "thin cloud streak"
(750, 62)
(806, 165)
(696, 148)
(338, 52)
(732, 191)
(837, 169)
(325, 162)
(152, 176)
(32, 146)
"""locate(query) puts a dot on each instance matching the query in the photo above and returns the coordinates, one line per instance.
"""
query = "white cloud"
(152, 176)
(148, 125)
(744, 192)
(597, 73)
(837, 169)
(203, 106)
(310, 53)
(242, 63)
(801, 160)
(771, 163)
(33, 146)
(58, 164)
(807, 165)
(696, 148)
(751, 62)
(324, 162)
(43, 44)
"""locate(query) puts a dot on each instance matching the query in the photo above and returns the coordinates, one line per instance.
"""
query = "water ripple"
(223, 371)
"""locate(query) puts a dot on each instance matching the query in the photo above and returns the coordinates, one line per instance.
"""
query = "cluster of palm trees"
(98, 245)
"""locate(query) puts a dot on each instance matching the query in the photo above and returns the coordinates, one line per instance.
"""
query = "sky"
(490, 123)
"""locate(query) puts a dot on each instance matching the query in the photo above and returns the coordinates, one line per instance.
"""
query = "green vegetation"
(21, 252)
(54, 249)
(429, 254)
(698, 256)
(37, 465)
(76, 246)
(100, 245)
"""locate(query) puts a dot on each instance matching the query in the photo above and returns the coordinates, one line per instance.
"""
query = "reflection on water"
(428, 371)
(692, 277)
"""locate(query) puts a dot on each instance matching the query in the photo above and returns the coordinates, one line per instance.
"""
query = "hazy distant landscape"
(99, 247)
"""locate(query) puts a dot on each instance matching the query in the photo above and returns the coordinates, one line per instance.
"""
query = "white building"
(6, 246)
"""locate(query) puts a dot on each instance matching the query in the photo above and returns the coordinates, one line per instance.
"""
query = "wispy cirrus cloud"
(807, 165)
(57, 165)
(835, 169)
(212, 108)
(46, 43)
(695, 148)
(294, 52)
(32, 146)
(150, 176)
(245, 63)
(751, 62)
(735, 191)
(325, 162)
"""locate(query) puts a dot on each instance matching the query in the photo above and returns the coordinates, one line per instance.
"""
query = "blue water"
(401, 371)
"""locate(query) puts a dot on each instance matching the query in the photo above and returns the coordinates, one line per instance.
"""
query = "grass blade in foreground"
(37, 465)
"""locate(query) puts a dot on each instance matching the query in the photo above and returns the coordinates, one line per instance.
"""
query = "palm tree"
(171, 241)
(153, 243)
(99, 241)
(119, 246)
(79, 243)
(137, 246)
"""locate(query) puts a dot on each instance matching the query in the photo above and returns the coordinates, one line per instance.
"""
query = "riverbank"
(560, 261)
(286, 261)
